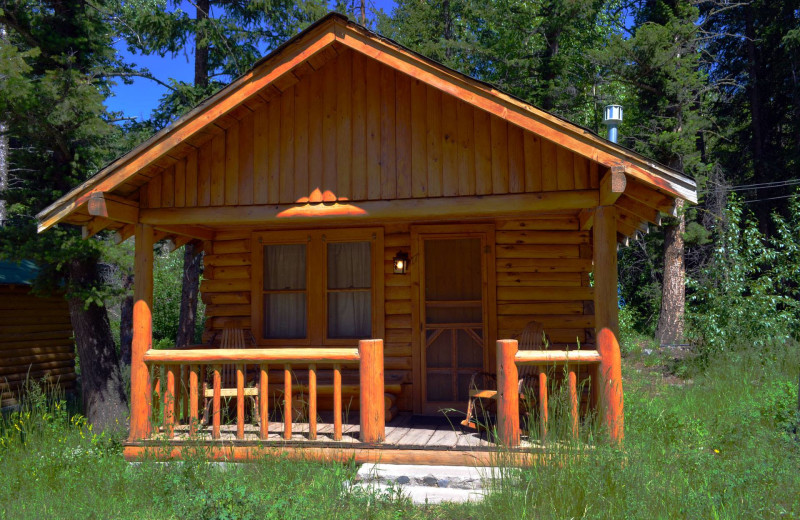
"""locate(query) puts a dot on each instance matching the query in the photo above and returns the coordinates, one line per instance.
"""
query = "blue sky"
(140, 98)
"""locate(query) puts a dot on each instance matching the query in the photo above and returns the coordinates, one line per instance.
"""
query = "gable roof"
(311, 49)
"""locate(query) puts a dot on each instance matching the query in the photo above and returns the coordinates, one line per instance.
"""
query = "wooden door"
(453, 317)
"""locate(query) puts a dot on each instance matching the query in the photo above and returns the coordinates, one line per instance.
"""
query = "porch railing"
(606, 381)
(176, 362)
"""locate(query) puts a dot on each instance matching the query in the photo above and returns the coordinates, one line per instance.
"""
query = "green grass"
(721, 444)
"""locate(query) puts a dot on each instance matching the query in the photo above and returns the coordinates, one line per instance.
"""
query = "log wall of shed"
(35, 342)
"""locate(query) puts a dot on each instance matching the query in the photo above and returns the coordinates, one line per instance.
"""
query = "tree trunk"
(126, 323)
(190, 286)
(673, 296)
(3, 157)
(104, 401)
(189, 291)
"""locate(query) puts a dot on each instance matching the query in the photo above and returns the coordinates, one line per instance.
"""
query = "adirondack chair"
(483, 385)
(232, 338)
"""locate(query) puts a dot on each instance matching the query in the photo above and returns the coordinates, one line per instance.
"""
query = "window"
(318, 287)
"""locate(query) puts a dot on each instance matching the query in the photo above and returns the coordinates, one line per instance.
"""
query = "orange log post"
(287, 402)
(573, 401)
(507, 393)
(543, 412)
(216, 406)
(169, 403)
(611, 384)
(193, 400)
(263, 400)
(337, 402)
(141, 392)
(240, 401)
(373, 409)
(312, 401)
(184, 389)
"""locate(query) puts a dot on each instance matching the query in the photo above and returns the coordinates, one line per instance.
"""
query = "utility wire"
(762, 185)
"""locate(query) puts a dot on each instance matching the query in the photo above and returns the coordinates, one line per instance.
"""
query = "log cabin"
(35, 336)
(381, 228)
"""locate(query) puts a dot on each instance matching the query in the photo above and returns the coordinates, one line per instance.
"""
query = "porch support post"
(607, 378)
(372, 391)
(141, 392)
(507, 393)
(606, 313)
(610, 383)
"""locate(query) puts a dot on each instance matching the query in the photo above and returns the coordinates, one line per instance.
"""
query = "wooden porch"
(172, 428)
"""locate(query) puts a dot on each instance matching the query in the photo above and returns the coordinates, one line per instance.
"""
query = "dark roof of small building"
(22, 273)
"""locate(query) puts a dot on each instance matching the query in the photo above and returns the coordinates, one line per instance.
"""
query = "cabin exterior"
(373, 216)
(35, 336)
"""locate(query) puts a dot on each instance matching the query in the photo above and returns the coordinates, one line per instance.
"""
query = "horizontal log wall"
(225, 290)
(364, 132)
(35, 342)
(543, 270)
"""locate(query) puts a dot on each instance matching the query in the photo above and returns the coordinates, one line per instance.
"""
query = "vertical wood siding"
(364, 132)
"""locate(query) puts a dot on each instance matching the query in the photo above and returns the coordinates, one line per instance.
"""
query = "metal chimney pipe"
(612, 117)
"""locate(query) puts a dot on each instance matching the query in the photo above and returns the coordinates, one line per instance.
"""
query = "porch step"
(424, 494)
(427, 484)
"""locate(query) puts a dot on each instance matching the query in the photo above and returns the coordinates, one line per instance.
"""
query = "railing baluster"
(177, 396)
(169, 403)
(337, 402)
(185, 391)
(543, 402)
(240, 401)
(287, 402)
(312, 401)
(263, 400)
(216, 411)
(193, 400)
(156, 392)
(573, 400)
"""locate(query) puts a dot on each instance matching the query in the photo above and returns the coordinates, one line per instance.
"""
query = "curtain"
(349, 290)
(285, 312)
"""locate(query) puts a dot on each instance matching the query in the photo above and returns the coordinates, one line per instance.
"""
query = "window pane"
(349, 265)
(350, 314)
(284, 267)
(285, 316)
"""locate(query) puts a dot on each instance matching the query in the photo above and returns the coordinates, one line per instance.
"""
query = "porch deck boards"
(403, 432)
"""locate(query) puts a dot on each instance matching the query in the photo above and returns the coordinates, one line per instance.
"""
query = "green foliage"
(749, 288)
(534, 50)
(167, 281)
(723, 445)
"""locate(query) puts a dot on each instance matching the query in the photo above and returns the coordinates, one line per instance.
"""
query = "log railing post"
(194, 398)
(372, 390)
(610, 383)
(507, 393)
(263, 400)
(141, 392)
(572, 380)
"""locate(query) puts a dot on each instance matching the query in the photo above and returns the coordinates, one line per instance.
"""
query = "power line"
(762, 185)
(771, 198)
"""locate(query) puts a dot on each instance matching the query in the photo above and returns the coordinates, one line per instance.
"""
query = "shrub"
(747, 294)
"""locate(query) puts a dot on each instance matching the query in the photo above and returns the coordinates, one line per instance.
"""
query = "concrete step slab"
(424, 494)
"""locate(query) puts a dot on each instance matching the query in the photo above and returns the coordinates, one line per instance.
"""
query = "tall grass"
(721, 445)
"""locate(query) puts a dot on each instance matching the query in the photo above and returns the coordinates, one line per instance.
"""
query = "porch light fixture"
(400, 262)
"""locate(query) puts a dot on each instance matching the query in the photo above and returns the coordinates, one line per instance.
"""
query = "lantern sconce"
(400, 262)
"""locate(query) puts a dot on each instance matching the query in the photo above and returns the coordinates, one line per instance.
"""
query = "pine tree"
(660, 63)
(228, 38)
(55, 62)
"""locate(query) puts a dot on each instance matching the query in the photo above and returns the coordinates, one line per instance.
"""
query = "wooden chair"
(532, 337)
(232, 338)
